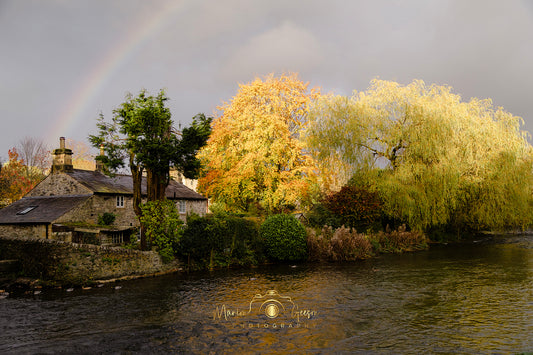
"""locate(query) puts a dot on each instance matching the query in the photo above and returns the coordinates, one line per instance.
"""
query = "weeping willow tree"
(435, 160)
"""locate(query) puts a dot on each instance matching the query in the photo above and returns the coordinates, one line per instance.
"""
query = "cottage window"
(117, 238)
(120, 201)
(182, 207)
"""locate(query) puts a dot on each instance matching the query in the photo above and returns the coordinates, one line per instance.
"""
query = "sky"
(63, 62)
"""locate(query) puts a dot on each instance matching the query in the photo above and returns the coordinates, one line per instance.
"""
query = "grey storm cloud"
(64, 62)
(285, 48)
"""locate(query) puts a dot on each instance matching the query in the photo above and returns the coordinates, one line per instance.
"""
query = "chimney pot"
(62, 161)
(99, 165)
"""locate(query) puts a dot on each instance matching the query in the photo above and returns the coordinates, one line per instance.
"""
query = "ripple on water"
(456, 299)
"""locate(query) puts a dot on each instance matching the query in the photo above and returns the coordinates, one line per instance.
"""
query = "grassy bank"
(346, 244)
(227, 241)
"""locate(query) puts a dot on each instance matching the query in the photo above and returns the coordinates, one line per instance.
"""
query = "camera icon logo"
(273, 305)
(272, 310)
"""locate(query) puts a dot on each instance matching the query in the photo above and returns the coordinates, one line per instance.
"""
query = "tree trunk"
(150, 194)
(156, 185)
(137, 176)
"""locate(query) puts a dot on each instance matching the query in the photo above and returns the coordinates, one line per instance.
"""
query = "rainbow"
(98, 77)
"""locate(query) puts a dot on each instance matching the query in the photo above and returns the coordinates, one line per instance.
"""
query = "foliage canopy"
(220, 240)
(17, 178)
(434, 159)
(162, 227)
(355, 207)
(254, 157)
(141, 132)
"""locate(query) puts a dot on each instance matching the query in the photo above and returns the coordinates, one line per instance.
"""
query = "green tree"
(432, 157)
(141, 133)
(162, 227)
(193, 138)
(254, 157)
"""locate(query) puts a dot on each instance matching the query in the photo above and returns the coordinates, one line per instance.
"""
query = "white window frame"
(182, 206)
(26, 210)
(120, 201)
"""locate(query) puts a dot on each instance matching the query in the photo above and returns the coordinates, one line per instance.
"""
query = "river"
(474, 298)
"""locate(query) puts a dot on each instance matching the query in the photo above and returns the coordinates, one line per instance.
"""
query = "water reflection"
(457, 299)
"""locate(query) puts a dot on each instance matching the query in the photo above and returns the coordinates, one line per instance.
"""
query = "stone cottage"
(67, 204)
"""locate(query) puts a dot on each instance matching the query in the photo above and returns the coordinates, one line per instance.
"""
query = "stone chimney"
(100, 167)
(62, 162)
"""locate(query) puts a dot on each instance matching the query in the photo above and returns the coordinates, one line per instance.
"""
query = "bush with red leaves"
(356, 207)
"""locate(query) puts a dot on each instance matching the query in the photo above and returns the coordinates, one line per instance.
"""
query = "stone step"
(7, 266)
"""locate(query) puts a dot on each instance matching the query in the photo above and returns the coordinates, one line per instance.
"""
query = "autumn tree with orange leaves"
(254, 159)
(15, 180)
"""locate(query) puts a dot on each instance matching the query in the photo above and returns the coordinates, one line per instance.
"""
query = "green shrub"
(319, 216)
(106, 219)
(400, 240)
(163, 227)
(199, 238)
(133, 242)
(220, 240)
(285, 238)
(243, 240)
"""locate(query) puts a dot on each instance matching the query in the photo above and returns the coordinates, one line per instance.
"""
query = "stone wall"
(59, 184)
(79, 264)
(83, 212)
(198, 207)
(24, 231)
(97, 205)
(125, 216)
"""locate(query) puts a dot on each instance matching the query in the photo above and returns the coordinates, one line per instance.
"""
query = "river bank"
(53, 263)
(56, 264)
(467, 298)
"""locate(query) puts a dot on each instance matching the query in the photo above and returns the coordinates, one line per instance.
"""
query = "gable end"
(59, 185)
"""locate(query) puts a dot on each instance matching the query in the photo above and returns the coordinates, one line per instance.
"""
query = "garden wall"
(70, 263)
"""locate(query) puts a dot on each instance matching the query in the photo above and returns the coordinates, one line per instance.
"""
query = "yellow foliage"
(436, 152)
(254, 155)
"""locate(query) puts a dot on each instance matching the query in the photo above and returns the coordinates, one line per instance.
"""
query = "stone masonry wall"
(81, 213)
(59, 184)
(125, 216)
(198, 207)
(24, 231)
(79, 264)
(97, 205)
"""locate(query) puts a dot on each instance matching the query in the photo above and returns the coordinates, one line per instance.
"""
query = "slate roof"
(178, 191)
(100, 183)
(40, 209)
(123, 184)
